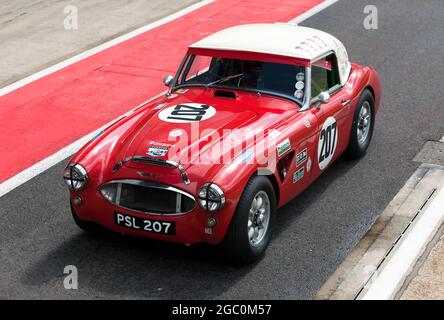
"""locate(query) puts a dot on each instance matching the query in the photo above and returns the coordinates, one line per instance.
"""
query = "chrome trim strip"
(183, 174)
(346, 102)
(164, 163)
(118, 193)
(178, 201)
(307, 98)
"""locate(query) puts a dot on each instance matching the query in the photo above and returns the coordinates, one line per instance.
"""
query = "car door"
(295, 154)
(330, 105)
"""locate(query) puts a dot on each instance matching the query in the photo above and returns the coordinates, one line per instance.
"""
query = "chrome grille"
(148, 197)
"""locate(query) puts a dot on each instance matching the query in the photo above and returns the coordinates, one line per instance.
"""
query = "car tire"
(253, 222)
(87, 226)
(364, 119)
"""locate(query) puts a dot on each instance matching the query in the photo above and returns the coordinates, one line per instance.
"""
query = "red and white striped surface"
(44, 116)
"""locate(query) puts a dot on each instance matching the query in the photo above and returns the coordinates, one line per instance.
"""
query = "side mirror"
(168, 80)
(324, 97)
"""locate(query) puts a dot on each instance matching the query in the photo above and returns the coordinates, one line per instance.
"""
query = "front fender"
(374, 82)
(233, 179)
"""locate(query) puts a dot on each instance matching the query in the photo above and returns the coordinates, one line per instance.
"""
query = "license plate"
(142, 224)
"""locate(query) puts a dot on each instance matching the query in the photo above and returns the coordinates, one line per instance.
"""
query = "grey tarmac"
(315, 232)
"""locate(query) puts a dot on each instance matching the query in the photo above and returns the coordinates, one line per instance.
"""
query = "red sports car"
(254, 115)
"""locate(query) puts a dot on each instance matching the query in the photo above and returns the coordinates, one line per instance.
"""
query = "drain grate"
(409, 224)
(431, 153)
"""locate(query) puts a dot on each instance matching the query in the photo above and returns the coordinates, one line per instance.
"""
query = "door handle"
(346, 102)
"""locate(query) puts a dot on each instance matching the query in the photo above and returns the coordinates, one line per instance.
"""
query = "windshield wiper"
(224, 79)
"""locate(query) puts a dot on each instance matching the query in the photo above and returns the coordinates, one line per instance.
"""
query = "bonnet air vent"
(225, 94)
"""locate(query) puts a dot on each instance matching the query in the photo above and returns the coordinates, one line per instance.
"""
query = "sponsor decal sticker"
(187, 112)
(157, 151)
(283, 147)
(182, 90)
(298, 175)
(328, 139)
(301, 157)
(307, 123)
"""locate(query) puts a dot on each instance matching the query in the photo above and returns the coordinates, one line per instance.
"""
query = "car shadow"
(127, 266)
(292, 210)
(123, 266)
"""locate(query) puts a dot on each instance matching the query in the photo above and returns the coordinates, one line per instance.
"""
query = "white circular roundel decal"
(187, 112)
(328, 139)
(299, 94)
(299, 85)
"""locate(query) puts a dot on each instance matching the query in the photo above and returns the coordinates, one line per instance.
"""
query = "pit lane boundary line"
(43, 165)
(81, 56)
(59, 156)
(313, 11)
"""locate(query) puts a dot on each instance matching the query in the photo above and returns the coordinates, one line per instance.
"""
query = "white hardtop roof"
(283, 39)
(279, 38)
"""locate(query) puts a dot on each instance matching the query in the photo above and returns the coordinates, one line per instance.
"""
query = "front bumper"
(191, 227)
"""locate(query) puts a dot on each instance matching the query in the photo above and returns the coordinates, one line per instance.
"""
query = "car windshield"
(266, 77)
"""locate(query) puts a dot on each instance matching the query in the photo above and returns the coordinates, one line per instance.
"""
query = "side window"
(324, 75)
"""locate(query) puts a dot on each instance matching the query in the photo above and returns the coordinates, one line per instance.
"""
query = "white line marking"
(106, 45)
(313, 11)
(394, 273)
(43, 165)
(52, 160)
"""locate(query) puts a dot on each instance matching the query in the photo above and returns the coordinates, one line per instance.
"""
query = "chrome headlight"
(211, 197)
(75, 176)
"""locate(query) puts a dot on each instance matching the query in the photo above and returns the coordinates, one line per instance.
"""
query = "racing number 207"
(188, 112)
(328, 139)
